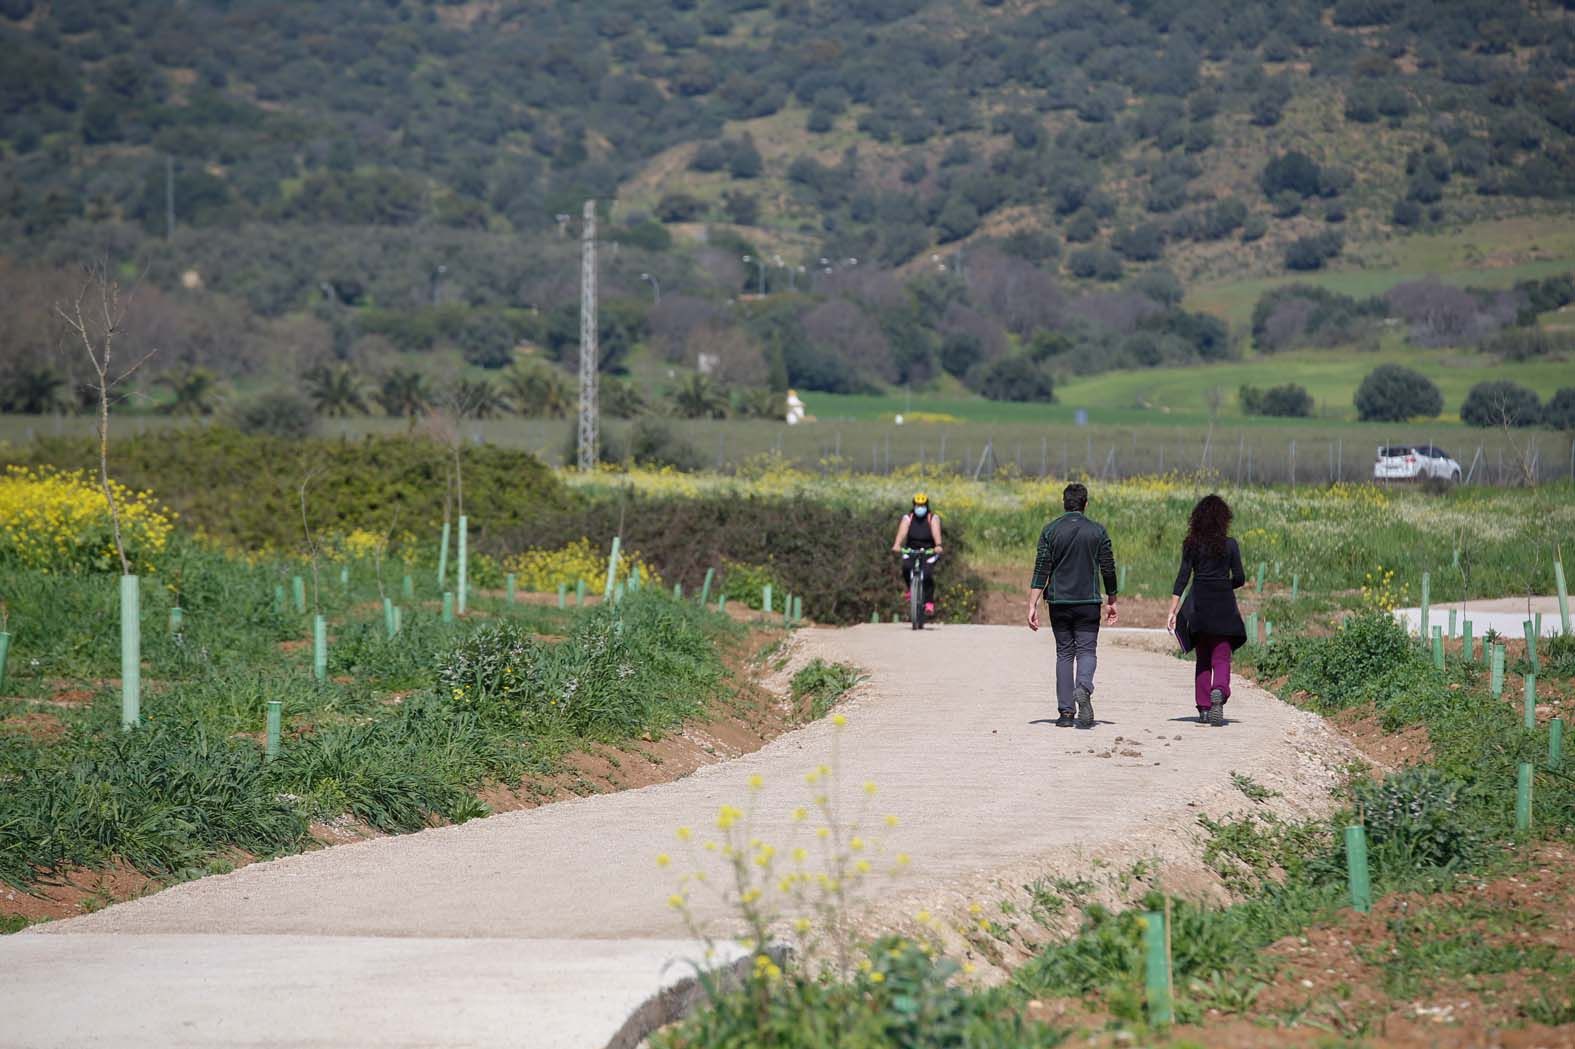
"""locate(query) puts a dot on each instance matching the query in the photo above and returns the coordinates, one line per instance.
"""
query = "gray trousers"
(1076, 630)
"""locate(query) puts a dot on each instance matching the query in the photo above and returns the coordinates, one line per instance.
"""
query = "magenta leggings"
(1213, 670)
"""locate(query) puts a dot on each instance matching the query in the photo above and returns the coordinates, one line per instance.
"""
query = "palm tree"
(759, 404)
(404, 393)
(699, 398)
(335, 389)
(537, 390)
(193, 392)
(476, 399)
(621, 399)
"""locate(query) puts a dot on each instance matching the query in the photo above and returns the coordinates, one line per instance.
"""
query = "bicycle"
(923, 566)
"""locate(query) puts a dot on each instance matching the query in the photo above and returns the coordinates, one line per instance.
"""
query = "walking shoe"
(929, 608)
(1085, 707)
(1217, 710)
(1203, 715)
(1065, 720)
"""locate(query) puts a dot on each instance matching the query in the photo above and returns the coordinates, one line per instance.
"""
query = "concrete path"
(1507, 615)
(453, 935)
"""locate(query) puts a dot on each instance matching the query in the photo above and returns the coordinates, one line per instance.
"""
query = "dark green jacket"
(1074, 553)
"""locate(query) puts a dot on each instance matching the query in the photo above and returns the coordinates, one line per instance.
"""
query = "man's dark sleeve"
(1184, 574)
(1042, 562)
(1107, 562)
(1238, 574)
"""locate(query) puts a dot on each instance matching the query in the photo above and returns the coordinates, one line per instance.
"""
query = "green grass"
(403, 731)
(1491, 254)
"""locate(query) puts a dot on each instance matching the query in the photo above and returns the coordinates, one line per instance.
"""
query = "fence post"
(130, 651)
(1356, 869)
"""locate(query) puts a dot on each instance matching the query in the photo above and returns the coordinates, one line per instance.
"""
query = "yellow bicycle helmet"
(920, 499)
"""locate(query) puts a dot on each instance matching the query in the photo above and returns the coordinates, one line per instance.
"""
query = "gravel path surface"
(953, 727)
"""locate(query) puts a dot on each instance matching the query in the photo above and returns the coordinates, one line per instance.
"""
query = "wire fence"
(1242, 455)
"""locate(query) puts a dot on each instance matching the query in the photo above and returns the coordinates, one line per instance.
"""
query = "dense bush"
(1016, 379)
(1559, 412)
(1501, 403)
(1288, 401)
(1395, 393)
(831, 556)
(245, 489)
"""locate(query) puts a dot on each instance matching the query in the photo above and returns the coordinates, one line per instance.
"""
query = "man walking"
(1074, 554)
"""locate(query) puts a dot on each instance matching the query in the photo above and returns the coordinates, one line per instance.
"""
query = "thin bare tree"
(97, 316)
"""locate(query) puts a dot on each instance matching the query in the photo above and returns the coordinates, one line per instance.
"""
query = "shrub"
(1294, 171)
(1501, 403)
(1289, 401)
(1394, 393)
(1016, 379)
(55, 521)
(277, 414)
(1414, 821)
(1559, 412)
(654, 442)
(540, 570)
(1311, 252)
(1524, 344)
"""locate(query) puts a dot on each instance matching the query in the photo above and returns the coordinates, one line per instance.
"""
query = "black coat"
(1210, 608)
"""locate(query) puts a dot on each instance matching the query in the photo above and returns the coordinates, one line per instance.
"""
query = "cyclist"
(920, 529)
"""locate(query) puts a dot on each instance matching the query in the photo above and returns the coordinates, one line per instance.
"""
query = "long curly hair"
(1208, 527)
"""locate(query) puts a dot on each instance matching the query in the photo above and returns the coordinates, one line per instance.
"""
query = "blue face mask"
(920, 511)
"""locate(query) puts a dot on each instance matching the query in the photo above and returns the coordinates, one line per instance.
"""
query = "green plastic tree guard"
(874, 617)
(1268, 631)
(798, 608)
(1529, 713)
(1296, 586)
(442, 572)
(1556, 744)
(298, 589)
(399, 620)
(1356, 869)
(464, 564)
(1564, 598)
(612, 567)
(320, 647)
(1438, 647)
(1252, 628)
(579, 592)
(407, 589)
(1523, 796)
(563, 595)
(721, 603)
(130, 651)
(388, 617)
(1468, 643)
(278, 598)
(1452, 631)
(177, 619)
(1121, 583)
(511, 587)
(1262, 568)
(1156, 970)
(765, 599)
(275, 718)
(448, 606)
(1427, 596)
(1496, 671)
(705, 588)
(1531, 645)
(678, 591)
(5, 649)
(344, 576)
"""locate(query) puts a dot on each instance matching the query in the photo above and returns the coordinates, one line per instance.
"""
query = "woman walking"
(1208, 622)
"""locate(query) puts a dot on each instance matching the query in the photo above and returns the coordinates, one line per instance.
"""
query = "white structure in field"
(795, 408)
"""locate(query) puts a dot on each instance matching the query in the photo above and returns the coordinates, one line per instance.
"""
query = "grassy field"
(1493, 254)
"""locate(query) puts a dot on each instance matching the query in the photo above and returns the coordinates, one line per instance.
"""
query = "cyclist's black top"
(920, 535)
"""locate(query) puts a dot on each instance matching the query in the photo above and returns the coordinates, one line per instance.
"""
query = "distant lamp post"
(656, 289)
(761, 263)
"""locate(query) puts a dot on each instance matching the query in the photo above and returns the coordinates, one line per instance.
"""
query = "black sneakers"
(1065, 720)
(1217, 708)
(1085, 707)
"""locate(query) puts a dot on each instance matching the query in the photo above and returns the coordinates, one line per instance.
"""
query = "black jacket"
(1210, 608)
(1074, 553)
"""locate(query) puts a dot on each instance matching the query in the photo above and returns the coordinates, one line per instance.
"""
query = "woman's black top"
(1211, 606)
(920, 535)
